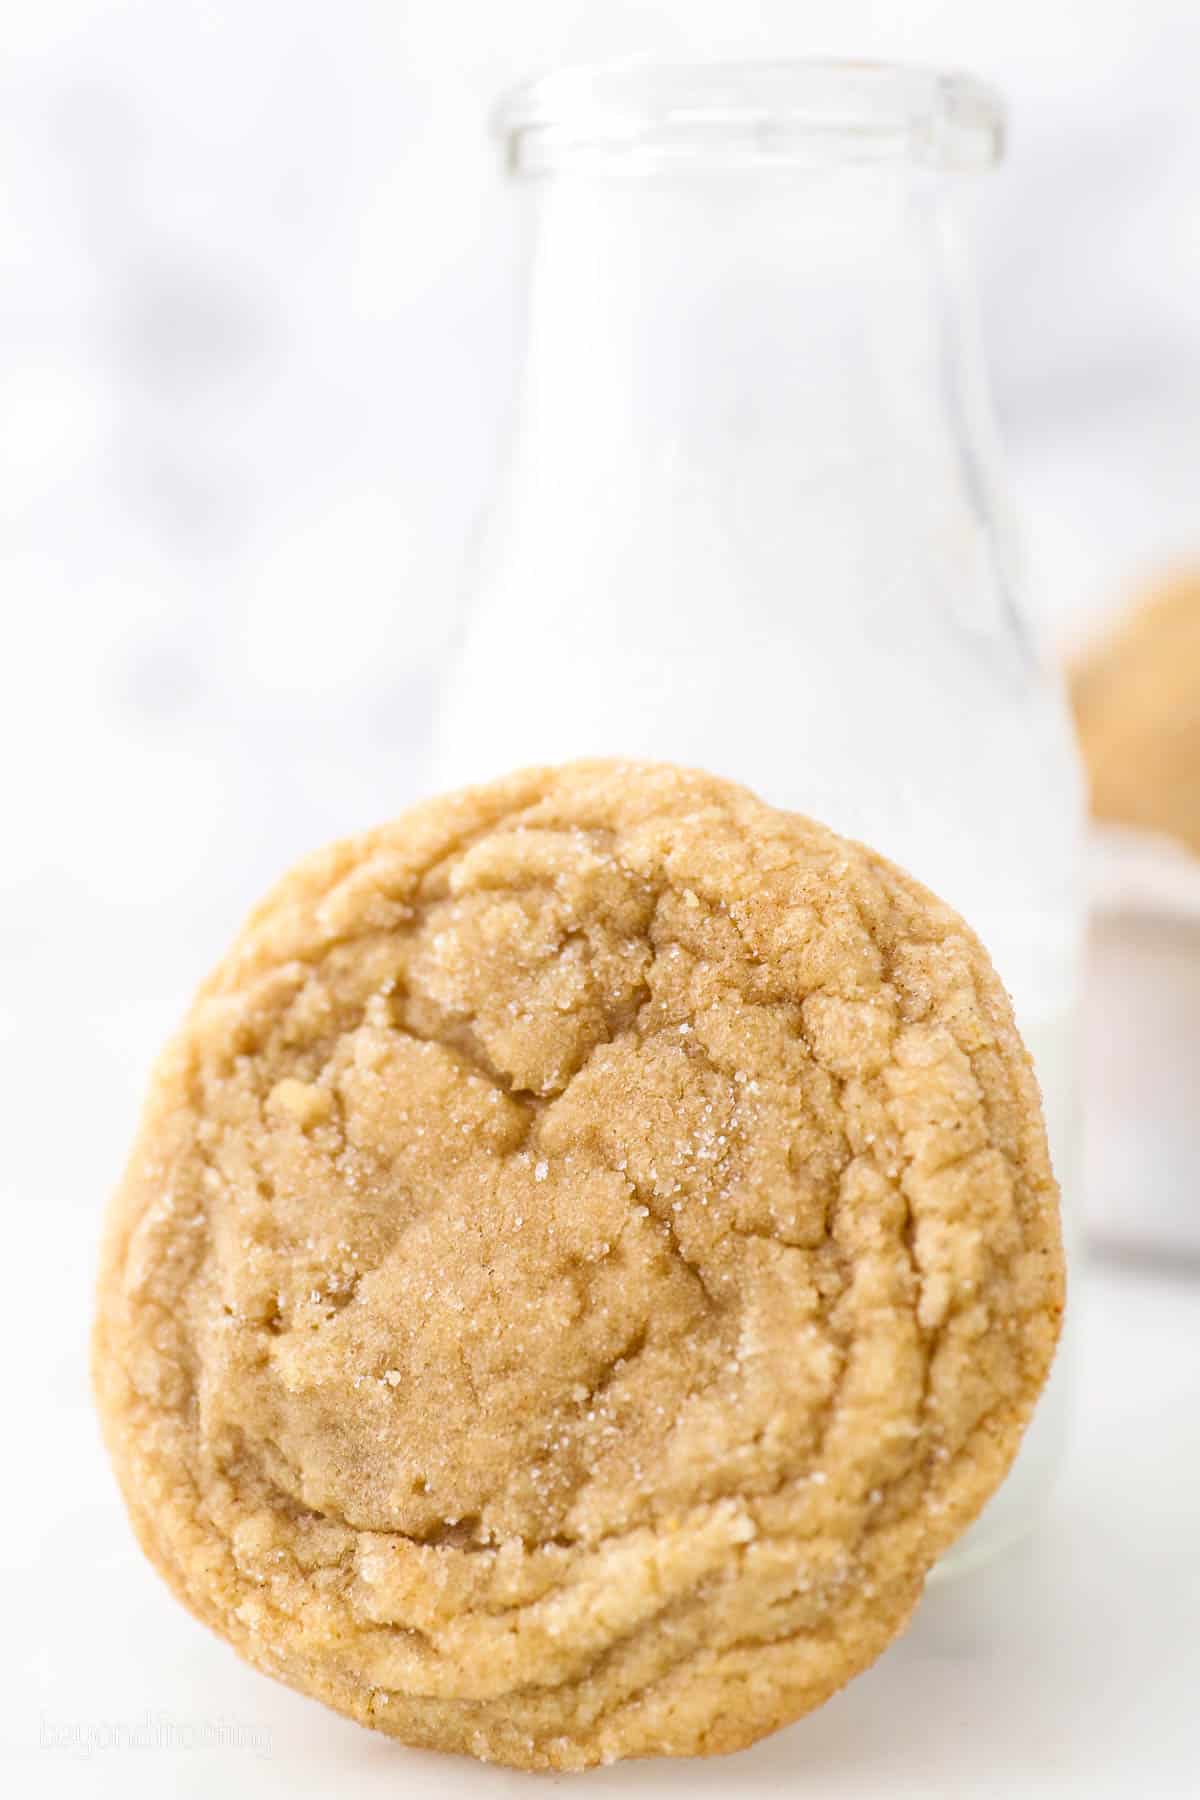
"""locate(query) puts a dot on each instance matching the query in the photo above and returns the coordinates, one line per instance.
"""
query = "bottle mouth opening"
(641, 116)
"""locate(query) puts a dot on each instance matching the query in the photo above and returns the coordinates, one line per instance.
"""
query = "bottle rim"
(642, 116)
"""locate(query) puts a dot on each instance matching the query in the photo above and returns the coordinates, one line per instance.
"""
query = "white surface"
(1141, 1039)
(256, 309)
(1070, 1667)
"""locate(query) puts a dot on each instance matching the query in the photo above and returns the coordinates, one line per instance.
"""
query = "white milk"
(752, 522)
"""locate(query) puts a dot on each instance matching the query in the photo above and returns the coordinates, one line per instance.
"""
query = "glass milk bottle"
(753, 517)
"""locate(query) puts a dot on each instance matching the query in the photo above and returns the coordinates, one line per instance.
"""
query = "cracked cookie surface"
(589, 1250)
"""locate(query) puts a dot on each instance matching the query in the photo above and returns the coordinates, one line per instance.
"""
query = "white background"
(258, 310)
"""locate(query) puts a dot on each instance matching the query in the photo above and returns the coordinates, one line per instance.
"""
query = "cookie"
(590, 1249)
(1136, 697)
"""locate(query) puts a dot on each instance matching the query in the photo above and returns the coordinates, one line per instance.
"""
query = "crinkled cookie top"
(591, 1247)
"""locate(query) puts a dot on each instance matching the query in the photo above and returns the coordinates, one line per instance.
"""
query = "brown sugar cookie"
(1136, 697)
(590, 1248)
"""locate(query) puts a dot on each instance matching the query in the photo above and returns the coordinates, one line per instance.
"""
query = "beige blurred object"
(1136, 696)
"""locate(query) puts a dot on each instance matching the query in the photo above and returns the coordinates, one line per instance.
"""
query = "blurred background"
(259, 307)
(259, 314)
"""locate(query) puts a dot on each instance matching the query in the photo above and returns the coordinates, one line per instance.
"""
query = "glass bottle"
(753, 517)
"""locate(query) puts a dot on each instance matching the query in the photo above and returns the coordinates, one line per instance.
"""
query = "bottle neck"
(705, 324)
